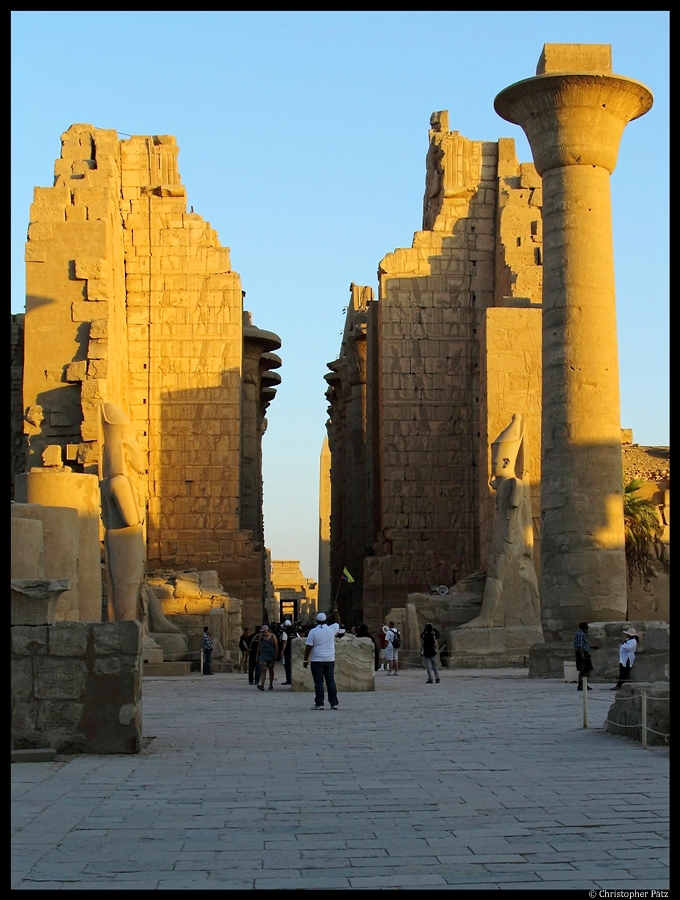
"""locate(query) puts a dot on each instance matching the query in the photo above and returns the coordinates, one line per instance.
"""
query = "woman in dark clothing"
(429, 650)
(362, 631)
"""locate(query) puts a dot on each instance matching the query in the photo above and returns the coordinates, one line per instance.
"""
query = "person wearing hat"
(627, 647)
(320, 646)
(286, 650)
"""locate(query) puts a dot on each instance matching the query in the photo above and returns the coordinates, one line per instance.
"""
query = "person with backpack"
(392, 645)
(428, 651)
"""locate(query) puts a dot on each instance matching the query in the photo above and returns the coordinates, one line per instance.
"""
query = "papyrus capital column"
(573, 114)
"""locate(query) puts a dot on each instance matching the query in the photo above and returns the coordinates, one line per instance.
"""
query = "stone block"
(88, 310)
(29, 640)
(595, 58)
(625, 715)
(99, 329)
(54, 715)
(657, 636)
(34, 601)
(24, 715)
(174, 646)
(167, 668)
(36, 754)
(86, 268)
(59, 679)
(22, 679)
(108, 665)
(354, 665)
(97, 349)
(68, 638)
(76, 371)
(51, 455)
(187, 585)
(26, 545)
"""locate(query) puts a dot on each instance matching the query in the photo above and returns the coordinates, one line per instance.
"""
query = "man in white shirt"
(321, 648)
(391, 652)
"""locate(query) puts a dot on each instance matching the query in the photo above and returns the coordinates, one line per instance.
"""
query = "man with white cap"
(286, 650)
(321, 648)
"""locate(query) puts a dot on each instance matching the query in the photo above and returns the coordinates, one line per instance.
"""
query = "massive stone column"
(573, 113)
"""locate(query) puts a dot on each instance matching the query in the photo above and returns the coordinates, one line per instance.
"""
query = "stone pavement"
(487, 780)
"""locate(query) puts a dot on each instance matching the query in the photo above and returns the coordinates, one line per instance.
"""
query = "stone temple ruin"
(473, 326)
(139, 396)
(472, 473)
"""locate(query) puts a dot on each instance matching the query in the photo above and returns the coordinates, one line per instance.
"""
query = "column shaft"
(582, 555)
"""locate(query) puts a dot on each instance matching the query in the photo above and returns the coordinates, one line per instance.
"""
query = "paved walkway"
(487, 780)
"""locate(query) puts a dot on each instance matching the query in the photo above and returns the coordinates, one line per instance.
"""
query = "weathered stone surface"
(59, 679)
(60, 544)
(574, 122)
(29, 640)
(120, 275)
(68, 639)
(174, 646)
(424, 376)
(354, 665)
(22, 679)
(34, 600)
(66, 696)
(26, 548)
(625, 714)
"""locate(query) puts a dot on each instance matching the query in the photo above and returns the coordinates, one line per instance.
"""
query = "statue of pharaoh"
(511, 589)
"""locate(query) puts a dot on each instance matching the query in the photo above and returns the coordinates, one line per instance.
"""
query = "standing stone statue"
(509, 622)
(511, 588)
(123, 512)
(123, 515)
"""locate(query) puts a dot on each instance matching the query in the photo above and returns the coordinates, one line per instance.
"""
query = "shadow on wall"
(196, 487)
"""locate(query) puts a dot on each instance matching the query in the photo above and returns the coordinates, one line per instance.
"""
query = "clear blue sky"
(302, 141)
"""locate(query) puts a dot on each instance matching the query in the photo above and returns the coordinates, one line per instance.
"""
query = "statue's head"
(507, 452)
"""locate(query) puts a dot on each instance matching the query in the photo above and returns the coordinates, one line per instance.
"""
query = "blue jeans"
(321, 671)
(206, 662)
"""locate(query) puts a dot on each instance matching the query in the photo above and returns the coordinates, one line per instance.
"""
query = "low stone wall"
(354, 665)
(652, 659)
(625, 714)
(77, 687)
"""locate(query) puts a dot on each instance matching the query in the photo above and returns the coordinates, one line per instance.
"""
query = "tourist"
(207, 651)
(321, 647)
(391, 652)
(383, 646)
(267, 652)
(582, 648)
(627, 648)
(244, 647)
(363, 632)
(286, 651)
(253, 664)
(429, 639)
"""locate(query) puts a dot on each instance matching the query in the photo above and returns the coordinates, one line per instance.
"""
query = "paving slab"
(490, 783)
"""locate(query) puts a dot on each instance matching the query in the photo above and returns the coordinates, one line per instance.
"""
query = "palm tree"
(641, 530)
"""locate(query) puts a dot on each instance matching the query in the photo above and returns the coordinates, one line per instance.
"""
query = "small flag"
(347, 576)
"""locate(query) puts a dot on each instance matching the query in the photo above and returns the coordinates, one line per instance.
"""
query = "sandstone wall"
(77, 687)
(452, 350)
(131, 299)
(17, 438)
